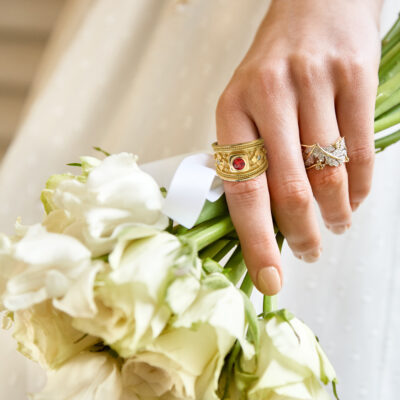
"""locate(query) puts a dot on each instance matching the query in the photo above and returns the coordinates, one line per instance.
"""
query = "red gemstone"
(238, 163)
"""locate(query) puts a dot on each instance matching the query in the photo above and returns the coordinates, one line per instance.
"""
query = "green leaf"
(75, 164)
(216, 281)
(213, 209)
(210, 266)
(334, 388)
(229, 365)
(253, 332)
(99, 149)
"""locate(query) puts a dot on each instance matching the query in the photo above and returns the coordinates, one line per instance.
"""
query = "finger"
(318, 124)
(355, 105)
(274, 109)
(249, 204)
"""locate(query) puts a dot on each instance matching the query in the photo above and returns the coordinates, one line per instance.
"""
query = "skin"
(310, 76)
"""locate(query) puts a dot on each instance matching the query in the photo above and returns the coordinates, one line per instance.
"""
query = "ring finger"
(318, 124)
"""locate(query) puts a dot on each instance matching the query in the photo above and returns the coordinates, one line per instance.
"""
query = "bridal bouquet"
(117, 301)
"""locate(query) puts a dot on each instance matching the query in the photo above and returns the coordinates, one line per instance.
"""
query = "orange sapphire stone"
(238, 163)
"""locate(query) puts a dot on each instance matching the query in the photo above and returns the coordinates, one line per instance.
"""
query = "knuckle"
(363, 155)
(354, 70)
(327, 179)
(269, 77)
(355, 66)
(307, 68)
(360, 191)
(307, 244)
(293, 195)
(260, 241)
(340, 215)
(247, 191)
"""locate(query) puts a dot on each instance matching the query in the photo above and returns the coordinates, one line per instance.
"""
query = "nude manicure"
(338, 229)
(269, 281)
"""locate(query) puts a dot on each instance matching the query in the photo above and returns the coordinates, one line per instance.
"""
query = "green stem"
(387, 105)
(247, 285)
(391, 36)
(389, 119)
(235, 267)
(388, 63)
(198, 228)
(221, 254)
(382, 143)
(386, 90)
(279, 240)
(270, 302)
(390, 45)
(210, 231)
(213, 209)
(213, 249)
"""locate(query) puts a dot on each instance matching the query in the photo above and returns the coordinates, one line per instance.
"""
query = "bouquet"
(118, 301)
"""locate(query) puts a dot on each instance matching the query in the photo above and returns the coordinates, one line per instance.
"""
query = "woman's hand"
(309, 77)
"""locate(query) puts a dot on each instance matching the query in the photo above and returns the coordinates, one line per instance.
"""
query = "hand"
(309, 77)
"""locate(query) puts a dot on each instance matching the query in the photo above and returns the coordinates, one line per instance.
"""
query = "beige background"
(25, 28)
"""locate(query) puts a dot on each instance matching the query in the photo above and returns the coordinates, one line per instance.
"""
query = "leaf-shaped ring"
(318, 157)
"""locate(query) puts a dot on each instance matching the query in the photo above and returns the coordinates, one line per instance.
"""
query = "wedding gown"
(144, 76)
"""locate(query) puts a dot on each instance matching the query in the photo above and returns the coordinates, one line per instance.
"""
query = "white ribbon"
(190, 180)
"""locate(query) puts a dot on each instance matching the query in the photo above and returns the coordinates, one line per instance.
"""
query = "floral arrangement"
(117, 301)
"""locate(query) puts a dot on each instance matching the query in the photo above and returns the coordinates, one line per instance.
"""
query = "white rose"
(44, 265)
(290, 364)
(45, 335)
(87, 376)
(186, 360)
(109, 196)
(6, 265)
(130, 297)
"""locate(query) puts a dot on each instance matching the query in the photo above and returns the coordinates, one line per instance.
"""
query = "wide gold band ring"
(240, 162)
(318, 157)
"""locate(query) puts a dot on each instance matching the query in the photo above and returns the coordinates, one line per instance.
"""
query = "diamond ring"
(318, 157)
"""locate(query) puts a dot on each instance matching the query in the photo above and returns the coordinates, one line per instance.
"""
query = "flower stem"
(391, 37)
(386, 92)
(389, 63)
(382, 143)
(210, 231)
(213, 209)
(387, 105)
(388, 119)
(270, 302)
(213, 249)
(235, 267)
(247, 285)
(221, 254)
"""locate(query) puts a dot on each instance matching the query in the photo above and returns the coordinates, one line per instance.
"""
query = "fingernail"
(354, 206)
(269, 281)
(312, 256)
(338, 229)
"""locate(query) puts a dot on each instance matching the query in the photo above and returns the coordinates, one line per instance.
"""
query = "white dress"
(144, 76)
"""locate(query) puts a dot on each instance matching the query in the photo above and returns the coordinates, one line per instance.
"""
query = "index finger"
(249, 204)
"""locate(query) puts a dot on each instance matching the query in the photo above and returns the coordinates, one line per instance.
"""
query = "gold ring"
(240, 162)
(318, 157)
